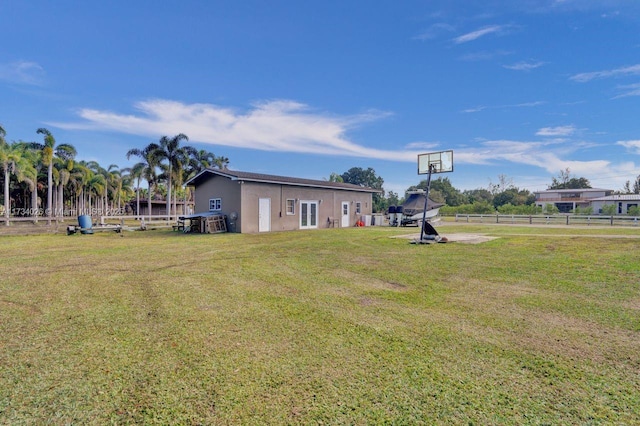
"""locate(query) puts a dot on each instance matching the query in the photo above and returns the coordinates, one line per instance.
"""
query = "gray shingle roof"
(575, 190)
(281, 180)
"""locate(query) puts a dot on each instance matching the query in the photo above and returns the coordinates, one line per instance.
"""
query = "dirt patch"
(455, 238)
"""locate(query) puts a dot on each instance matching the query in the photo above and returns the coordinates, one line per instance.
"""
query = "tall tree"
(32, 153)
(47, 160)
(513, 196)
(64, 158)
(10, 157)
(450, 195)
(169, 149)
(334, 177)
(150, 160)
(222, 163)
(504, 183)
(478, 195)
(48, 151)
(628, 189)
(201, 160)
(566, 180)
(366, 178)
(136, 173)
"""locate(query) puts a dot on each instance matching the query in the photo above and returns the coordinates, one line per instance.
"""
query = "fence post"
(567, 219)
(497, 218)
(611, 220)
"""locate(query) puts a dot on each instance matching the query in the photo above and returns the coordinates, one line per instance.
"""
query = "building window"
(215, 204)
(358, 207)
(291, 206)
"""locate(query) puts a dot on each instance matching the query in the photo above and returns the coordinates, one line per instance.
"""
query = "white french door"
(308, 214)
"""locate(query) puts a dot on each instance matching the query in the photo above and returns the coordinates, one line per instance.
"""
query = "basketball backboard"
(439, 162)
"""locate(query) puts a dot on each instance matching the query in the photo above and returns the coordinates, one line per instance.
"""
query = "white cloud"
(484, 55)
(557, 131)
(629, 90)
(633, 145)
(538, 154)
(434, 31)
(289, 126)
(524, 66)
(527, 104)
(618, 72)
(421, 145)
(22, 72)
(521, 105)
(475, 109)
(278, 125)
(474, 35)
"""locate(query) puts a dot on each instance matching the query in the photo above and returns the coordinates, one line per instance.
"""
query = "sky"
(520, 90)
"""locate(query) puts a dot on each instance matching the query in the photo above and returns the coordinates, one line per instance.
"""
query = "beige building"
(254, 202)
(566, 200)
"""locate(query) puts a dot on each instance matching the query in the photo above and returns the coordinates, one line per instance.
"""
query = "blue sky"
(522, 89)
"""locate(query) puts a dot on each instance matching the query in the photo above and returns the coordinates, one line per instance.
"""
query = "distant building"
(566, 200)
(622, 202)
(159, 207)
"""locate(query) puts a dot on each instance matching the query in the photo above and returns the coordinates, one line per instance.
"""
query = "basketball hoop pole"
(426, 200)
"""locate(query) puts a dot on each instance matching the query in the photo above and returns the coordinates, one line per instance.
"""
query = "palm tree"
(136, 172)
(182, 164)
(78, 179)
(222, 162)
(47, 160)
(202, 160)
(28, 172)
(48, 151)
(116, 181)
(65, 154)
(170, 150)
(125, 188)
(150, 161)
(10, 157)
(99, 183)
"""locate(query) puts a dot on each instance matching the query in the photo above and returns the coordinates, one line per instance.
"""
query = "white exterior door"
(345, 215)
(308, 214)
(264, 215)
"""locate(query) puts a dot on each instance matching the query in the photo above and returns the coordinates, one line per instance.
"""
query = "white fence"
(597, 220)
(70, 220)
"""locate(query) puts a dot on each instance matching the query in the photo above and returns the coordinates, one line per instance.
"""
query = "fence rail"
(102, 220)
(596, 220)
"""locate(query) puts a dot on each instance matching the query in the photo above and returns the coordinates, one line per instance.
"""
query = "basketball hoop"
(435, 162)
(428, 164)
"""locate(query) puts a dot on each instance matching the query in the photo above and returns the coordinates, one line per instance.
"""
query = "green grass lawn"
(338, 326)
